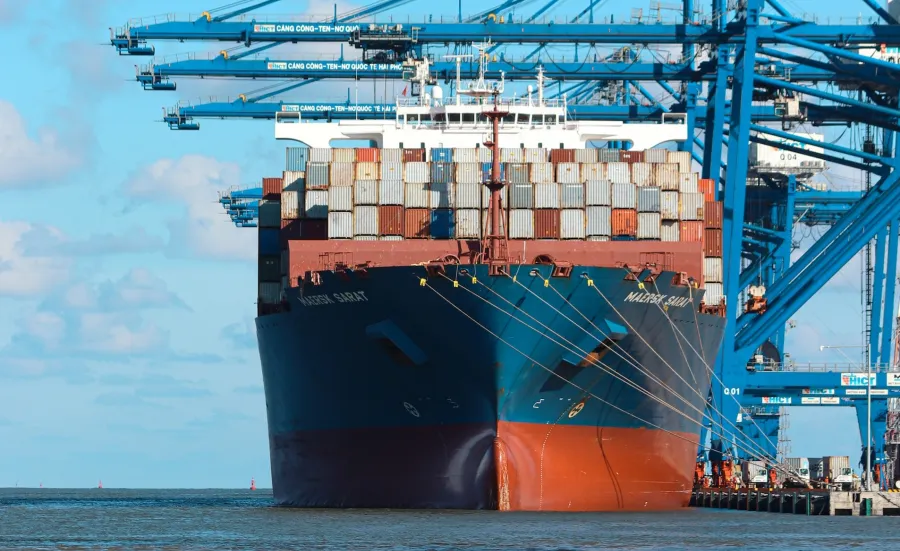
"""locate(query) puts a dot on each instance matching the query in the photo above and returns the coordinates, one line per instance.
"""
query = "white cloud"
(112, 333)
(26, 160)
(22, 274)
(48, 327)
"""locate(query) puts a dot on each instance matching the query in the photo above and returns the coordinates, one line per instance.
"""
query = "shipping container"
(392, 155)
(320, 155)
(648, 225)
(417, 173)
(631, 156)
(368, 155)
(690, 231)
(618, 173)
(486, 197)
(340, 225)
(713, 215)
(712, 269)
(776, 157)
(668, 205)
(268, 241)
(296, 158)
(417, 196)
(487, 168)
(269, 213)
(835, 464)
(293, 180)
(365, 192)
(343, 155)
(270, 292)
(365, 237)
(562, 156)
(442, 224)
(391, 238)
(607, 155)
(317, 175)
(593, 171)
(391, 170)
(666, 176)
(468, 196)
(586, 155)
(648, 199)
(468, 223)
(597, 193)
(272, 187)
(483, 155)
(368, 171)
(568, 173)
(571, 196)
(464, 155)
(342, 174)
(316, 203)
(521, 196)
(390, 220)
(691, 206)
(365, 220)
(642, 174)
(290, 205)
(655, 155)
(624, 222)
(682, 158)
(340, 198)
(391, 192)
(468, 173)
(598, 221)
(669, 230)
(413, 155)
(521, 223)
(571, 224)
(314, 229)
(540, 173)
(598, 238)
(442, 196)
(546, 196)
(624, 196)
(712, 242)
(714, 294)
(417, 223)
(441, 173)
(441, 155)
(536, 155)
(687, 182)
(512, 155)
(291, 230)
(270, 268)
(518, 173)
(707, 186)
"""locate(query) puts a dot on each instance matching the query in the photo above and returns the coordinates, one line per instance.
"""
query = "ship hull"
(384, 392)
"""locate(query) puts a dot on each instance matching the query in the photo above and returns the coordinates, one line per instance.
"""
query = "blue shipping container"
(441, 155)
(269, 241)
(486, 171)
(443, 225)
(296, 158)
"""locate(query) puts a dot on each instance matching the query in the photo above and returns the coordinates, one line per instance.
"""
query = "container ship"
(483, 312)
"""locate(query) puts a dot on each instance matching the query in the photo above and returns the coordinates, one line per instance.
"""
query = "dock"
(799, 501)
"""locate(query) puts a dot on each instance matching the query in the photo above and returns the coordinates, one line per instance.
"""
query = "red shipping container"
(417, 224)
(712, 214)
(413, 155)
(271, 187)
(707, 187)
(562, 155)
(291, 230)
(712, 242)
(546, 224)
(390, 220)
(631, 156)
(691, 231)
(367, 154)
(313, 229)
(624, 222)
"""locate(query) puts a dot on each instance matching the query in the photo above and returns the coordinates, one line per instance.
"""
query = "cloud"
(241, 335)
(92, 70)
(11, 11)
(44, 241)
(24, 160)
(24, 275)
(203, 230)
(249, 389)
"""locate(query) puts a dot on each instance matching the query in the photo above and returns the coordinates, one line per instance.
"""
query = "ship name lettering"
(334, 298)
(351, 296)
(657, 298)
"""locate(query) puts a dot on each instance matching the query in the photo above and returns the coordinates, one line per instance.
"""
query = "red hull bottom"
(508, 466)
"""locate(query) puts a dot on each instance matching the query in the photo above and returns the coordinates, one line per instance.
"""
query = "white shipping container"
(655, 155)
(541, 173)
(468, 196)
(417, 173)
(648, 199)
(317, 175)
(368, 171)
(392, 170)
(293, 180)
(342, 174)
(668, 205)
(571, 196)
(666, 176)
(340, 225)
(618, 172)
(316, 203)
(571, 224)
(712, 269)
(343, 155)
(597, 193)
(442, 196)
(365, 238)
(568, 173)
(546, 196)
(486, 196)
(465, 155)
(468, 224)
(521, 196)
(776, 157)
(340, 198)
(417, 196)
(320, 154)
(598, 221)
(586, 155)
(483, 154)
(365, 220)
(714, 293)
(518, 173)
(688, 182)
(392, 155)
(365, 192)
(691, 206)
(648, 225)
(269, 214)
(512, 155)
(598, 238)
(623, 196)
(536, 155)
(468, 173)
(391, 238)
(669, 231)
(682, 158)
(593, 171)
(290, 205)
(269, 293)
(642, 174)
(390, 192)
(521, 224)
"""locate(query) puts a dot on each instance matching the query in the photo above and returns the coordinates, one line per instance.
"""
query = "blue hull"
(384, 392)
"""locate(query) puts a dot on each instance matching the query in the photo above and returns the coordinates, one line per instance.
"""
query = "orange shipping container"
(691, 231)
(562, 155)
(272, 187)
(367, 154)
(624, 222)
(631, 156)
(390, 220)
(417, 224)
(546, 224)
(712, 214)
(707, 187)
(712, 242)
(413, 155)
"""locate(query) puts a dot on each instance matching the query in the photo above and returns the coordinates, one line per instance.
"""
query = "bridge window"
(509, 118)
(551, 119)
(523, 118)
(537, 120)
(453, 117)
(468, 118)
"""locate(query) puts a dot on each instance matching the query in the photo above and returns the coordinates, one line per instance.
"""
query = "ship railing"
(484, 102)
(822, 367)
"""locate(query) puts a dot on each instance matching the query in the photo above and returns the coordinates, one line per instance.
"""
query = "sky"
(127, 343)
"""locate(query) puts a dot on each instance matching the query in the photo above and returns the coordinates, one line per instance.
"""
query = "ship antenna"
(495, 248)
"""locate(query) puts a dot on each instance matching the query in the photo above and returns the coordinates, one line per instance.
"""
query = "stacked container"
(270, 269)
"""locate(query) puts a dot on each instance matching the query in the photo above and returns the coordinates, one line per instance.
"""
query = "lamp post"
(868, 479)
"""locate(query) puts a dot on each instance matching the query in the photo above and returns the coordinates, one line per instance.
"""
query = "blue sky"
(127, 350)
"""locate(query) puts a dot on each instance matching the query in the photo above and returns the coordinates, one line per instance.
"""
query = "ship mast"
(494, 246)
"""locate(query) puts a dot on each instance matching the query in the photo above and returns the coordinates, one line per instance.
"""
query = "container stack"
(713, 267)
(271, 270)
